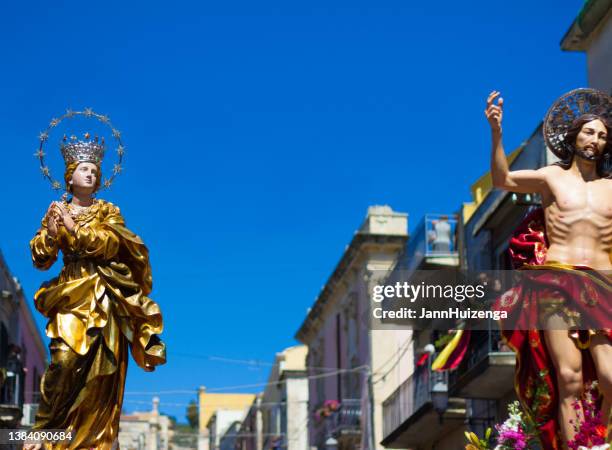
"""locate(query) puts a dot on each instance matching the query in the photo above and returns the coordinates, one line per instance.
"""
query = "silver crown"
(74, 150)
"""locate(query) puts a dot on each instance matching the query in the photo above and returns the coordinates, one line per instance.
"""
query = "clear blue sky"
(258, 133)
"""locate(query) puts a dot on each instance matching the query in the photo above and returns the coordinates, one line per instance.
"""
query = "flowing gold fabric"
(97, 307)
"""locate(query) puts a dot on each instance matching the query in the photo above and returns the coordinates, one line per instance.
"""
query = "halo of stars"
(43, 137)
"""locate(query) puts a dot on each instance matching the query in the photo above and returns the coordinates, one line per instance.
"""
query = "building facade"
(223, 428)
(285, 402)
(477, 392)
(591, 32)
(412, 418)
(145, 430)
(250, 433)
(353, 367)
(22, 353)
(217, 413)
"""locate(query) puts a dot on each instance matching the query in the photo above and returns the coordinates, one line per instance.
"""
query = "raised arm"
(521, 181)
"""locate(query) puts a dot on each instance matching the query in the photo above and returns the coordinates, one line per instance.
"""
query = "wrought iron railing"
(410, 396)
(347, 418)
(483, 343)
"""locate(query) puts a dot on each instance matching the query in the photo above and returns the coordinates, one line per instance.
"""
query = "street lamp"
(331, 443)
(439, 397)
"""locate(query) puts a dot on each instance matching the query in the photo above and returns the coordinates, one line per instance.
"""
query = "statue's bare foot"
(32, 447)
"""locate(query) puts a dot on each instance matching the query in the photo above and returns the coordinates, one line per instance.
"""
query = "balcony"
(11, 395)
(433, 243)
(346, 422)
(342, 425)
(409, 416)
(431, 257)
(487, 371)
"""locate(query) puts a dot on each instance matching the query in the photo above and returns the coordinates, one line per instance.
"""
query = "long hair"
(70, 168)
(604, 163)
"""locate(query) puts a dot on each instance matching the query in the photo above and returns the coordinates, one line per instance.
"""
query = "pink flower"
(589, 429)
(512, 438)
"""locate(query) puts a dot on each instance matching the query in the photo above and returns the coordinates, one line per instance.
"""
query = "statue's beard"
(588, 156)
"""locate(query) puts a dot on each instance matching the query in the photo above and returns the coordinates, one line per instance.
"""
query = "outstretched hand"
(494, 112)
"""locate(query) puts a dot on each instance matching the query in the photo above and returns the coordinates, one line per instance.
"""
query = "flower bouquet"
(516, 433)
(590, 430)
(329, 407)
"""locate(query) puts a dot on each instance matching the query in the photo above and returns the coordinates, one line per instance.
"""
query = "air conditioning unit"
(29, 413)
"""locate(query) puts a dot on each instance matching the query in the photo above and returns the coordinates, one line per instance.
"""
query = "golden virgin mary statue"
(97, 307)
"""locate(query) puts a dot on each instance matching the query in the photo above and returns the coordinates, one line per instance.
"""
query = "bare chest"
(574, 201)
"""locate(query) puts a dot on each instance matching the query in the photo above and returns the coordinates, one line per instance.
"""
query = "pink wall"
(332, 354)
(35, 352)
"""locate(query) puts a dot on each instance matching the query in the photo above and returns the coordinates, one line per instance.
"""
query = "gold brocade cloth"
(97, 307)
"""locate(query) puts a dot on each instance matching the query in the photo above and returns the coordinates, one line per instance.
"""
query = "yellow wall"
(482, 187)
(295, 358)
(209, 403)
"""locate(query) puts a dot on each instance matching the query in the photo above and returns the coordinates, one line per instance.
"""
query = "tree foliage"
(192, 414)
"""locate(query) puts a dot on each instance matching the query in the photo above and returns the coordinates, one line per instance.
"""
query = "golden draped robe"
(97, 307)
